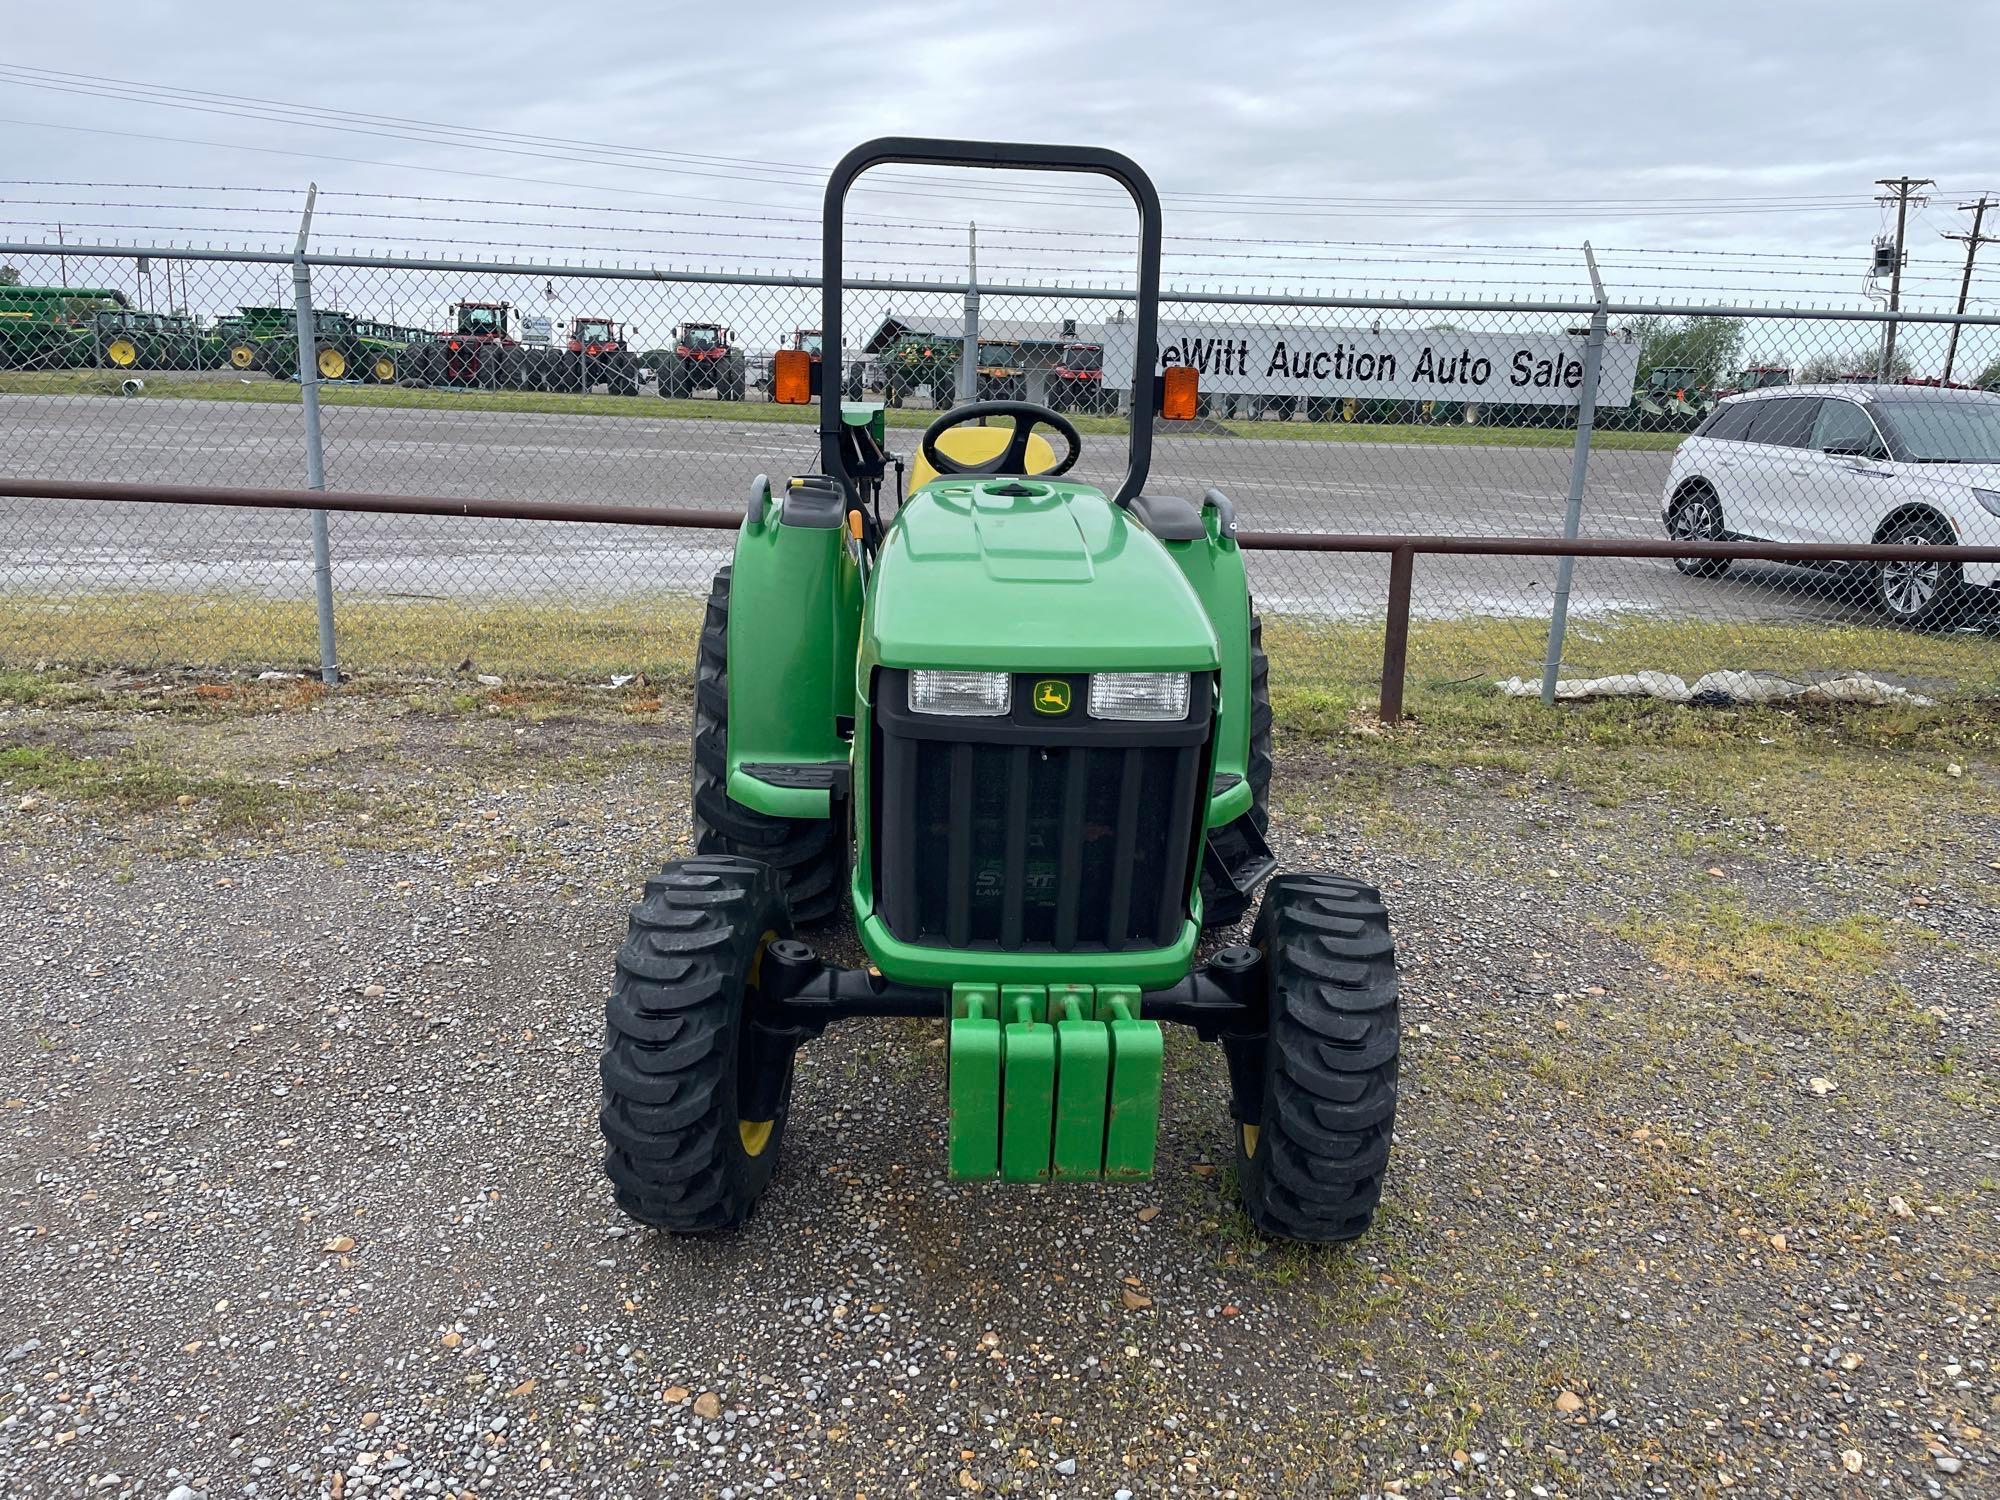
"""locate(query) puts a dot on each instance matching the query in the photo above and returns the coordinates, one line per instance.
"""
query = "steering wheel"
(1014, 458)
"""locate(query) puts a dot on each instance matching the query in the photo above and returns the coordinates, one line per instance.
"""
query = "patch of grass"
(1324, 673)
(44, 689)
(650, 634)
(142, 779)
(1812, 975)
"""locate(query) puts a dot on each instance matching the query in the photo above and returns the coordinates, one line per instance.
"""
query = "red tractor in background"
(598, 356)
(1076, 381)
(483, 349)
(704, 358)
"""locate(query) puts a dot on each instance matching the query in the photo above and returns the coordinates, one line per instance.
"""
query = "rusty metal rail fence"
(1402, 551)
(1347, 417)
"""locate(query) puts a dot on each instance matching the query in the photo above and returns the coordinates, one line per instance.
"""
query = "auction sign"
(1245, 359)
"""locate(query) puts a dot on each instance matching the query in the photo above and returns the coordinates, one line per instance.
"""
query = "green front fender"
(1213, 567)
(794, 627)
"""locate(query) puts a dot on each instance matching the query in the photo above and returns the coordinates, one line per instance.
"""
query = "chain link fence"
(1454, 417)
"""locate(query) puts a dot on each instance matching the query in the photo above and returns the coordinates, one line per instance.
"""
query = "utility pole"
(1901, 190)
(1972, 243)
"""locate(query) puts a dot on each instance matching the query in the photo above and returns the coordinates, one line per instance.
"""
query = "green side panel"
(1059, 579)
(794, 626)
(1027, 1085)
(1132, 1118)
(1083, 1076)
(1214, 571)
(972, 1083)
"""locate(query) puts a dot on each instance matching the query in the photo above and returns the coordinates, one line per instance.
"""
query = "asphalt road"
(1277, 484)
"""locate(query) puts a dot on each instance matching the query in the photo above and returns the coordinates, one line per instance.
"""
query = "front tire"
(1918, 595)
(680, 1154)
(807, 855)
(1311, 1167)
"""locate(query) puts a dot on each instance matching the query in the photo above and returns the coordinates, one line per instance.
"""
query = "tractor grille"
(1063, 835)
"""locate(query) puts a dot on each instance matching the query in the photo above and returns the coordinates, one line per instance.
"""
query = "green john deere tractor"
(1020, 725)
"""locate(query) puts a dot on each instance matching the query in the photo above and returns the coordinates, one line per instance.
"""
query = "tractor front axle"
(1046, 1080)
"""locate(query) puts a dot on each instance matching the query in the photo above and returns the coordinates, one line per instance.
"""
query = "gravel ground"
(298, 1034)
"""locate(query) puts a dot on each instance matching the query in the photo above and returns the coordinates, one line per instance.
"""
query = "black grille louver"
(1036, 835)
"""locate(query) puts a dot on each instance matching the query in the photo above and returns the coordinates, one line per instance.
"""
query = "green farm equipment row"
(57, 327)
(345, 348)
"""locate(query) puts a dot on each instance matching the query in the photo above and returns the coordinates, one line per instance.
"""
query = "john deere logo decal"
(1051, 696)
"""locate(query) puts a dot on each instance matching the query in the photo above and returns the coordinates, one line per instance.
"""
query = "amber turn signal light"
(1179, 393)
(791, 378)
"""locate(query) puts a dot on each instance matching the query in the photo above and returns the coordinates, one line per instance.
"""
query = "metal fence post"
(1396, 634)
(968, 354)
(1579, 465)
(302, 305)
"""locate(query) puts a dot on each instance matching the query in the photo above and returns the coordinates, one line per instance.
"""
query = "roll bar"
(922, 151)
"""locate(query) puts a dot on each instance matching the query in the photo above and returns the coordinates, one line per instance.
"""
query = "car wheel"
(1919, 595)
(1697, 517)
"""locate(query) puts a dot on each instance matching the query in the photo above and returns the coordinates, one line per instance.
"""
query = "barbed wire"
(777, 216)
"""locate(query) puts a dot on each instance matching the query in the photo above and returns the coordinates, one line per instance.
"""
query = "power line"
(788, 173)
(1300, 206)
(1390, 251)
(776, 216)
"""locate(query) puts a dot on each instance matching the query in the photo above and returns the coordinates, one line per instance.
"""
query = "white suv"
(1851, 463)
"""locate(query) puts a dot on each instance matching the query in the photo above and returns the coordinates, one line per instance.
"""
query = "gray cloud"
(1407, 113)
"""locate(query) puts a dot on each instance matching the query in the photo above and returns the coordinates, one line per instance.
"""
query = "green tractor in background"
(127, 339)
(920, 364)
(1021, 728)
(345, 347)
(261, 338)
(52, 327)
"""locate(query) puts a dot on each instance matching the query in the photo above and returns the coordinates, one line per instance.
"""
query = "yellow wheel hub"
(242, 356)
(1249, 1140)
(332, 364)
(123, 353)
(756, 1134)
(385, 369)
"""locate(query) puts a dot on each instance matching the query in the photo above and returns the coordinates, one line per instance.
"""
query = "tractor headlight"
(982, 695)
(1138, 695)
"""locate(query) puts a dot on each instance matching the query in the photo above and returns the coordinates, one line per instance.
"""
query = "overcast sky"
(1437, 125)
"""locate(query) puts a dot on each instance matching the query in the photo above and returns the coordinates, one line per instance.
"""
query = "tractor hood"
(1030, 576)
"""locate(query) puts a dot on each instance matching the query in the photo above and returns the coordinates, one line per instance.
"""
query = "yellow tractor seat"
(977, 444)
